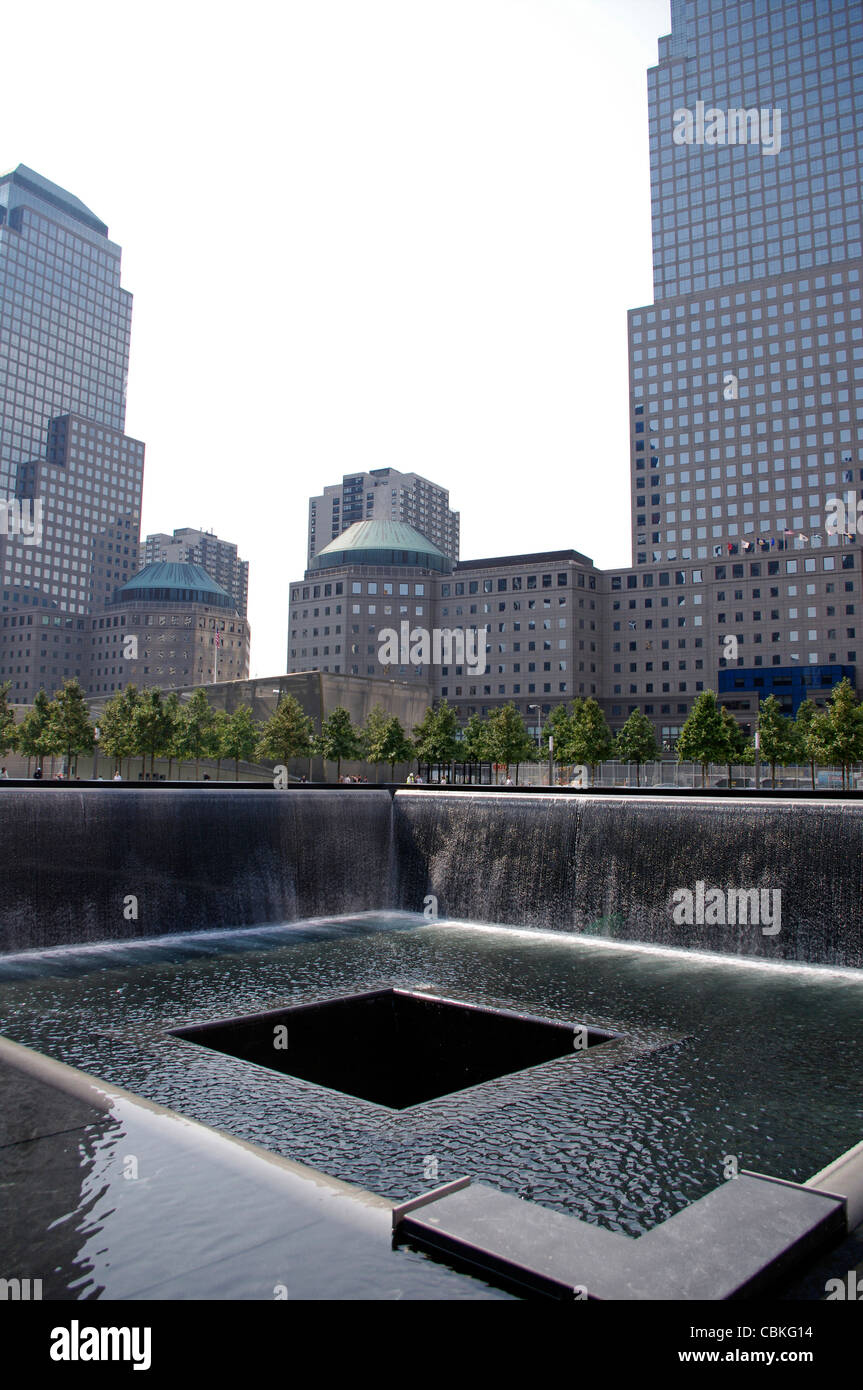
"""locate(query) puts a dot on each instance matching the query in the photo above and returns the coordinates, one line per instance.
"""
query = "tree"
(590, 737)
(735, 748)
(372, 734)
(217, 738)
(339, 739)
(474, 747)
(395, 747)
(240, 737)
(174, 710)
(287, 734)
(559, 725)
(385, 741)
(70, 727)
(435, 736)
(704, 737)
(153, 727)
(35, 736)
(636, 742)
(807, 713)
(8, 735)
(778, 741)
(508, 739)
(116, 725)
(846, 728)
(196, 734)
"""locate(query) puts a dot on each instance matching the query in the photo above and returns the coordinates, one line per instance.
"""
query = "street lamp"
(97, 733)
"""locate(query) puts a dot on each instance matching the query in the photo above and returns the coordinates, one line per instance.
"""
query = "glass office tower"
(746, 374)
(65, 324)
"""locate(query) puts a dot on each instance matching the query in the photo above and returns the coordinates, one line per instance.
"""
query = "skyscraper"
(384, 494)
(746, 374)
(65, 324)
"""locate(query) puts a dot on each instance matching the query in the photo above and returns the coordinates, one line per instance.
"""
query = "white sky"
(360, 233)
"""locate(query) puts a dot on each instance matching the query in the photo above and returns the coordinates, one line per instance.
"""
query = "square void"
(392, 1046)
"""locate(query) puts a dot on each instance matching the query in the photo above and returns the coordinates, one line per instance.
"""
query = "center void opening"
(394, 1046)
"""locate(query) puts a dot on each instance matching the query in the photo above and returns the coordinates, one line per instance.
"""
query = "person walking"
(118, 776)
(4, 775)
(37, 775)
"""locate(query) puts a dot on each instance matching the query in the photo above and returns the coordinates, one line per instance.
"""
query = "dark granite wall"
(72, 861)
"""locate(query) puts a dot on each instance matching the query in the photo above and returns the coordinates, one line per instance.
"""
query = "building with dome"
(374, 576)
(170, 625)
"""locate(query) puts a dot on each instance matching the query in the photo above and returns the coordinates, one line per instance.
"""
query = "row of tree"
(147, 724)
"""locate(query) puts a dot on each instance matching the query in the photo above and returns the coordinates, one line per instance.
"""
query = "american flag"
(218, 639)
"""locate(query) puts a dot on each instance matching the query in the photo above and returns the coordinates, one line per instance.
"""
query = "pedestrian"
(37, 775)
(4, 775)
(118, 776)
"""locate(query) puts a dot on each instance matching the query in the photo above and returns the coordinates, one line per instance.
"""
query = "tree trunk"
(812, 770)
(773, 776)
(638, 774)
(236, 769)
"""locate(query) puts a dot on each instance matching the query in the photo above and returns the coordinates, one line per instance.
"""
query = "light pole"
(97, 732)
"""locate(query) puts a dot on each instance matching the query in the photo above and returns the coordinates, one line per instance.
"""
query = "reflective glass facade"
(728, 212)
(65, 324)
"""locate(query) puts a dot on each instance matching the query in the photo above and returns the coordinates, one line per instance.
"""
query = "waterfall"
(611, 867)
(104, 864)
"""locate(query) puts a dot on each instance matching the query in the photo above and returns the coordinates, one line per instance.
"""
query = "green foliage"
(152, 726)
(372, 734)
(8, 736)
(559, 725)
(508, 739)
(339, 739)
(239, 738)
(636, 742)
(835, 734)
(70, 729)
(385, 741)
(196, 734)
(807, 713)
(116, 725)
(35, 734)
(474, 744)
(435, 736)
(287, 734)
(779, 742)
(704, 737)
(590, 739)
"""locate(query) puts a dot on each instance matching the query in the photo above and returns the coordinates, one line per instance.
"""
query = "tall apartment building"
(384, 494)
(746, 374)
(219, 558)
(65, 323)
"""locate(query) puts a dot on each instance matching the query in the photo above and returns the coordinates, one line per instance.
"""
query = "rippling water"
(760, 1062)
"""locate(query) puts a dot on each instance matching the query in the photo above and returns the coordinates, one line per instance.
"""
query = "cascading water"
(611, 867)
(106, 864)
(103, 864)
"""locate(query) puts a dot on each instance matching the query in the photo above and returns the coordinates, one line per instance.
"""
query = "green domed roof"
(382, 543)
(164, 582)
